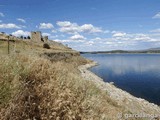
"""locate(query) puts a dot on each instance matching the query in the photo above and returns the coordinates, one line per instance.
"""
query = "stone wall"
(36, 36)
(3, 36)
(45, 39)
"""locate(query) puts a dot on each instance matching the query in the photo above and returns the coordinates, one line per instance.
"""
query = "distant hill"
(151, 50)
(158, 48)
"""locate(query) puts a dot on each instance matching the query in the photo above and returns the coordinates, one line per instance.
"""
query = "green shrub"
(45, 45)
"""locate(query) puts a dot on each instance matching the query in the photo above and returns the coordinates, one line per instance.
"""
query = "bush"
(45, 45)
(28, 37)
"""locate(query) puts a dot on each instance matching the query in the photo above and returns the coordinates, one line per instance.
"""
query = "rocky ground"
(137, 106)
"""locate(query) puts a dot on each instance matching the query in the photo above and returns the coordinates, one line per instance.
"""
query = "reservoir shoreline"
(123, 98)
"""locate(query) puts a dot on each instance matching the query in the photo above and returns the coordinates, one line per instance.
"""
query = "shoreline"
(131, 103)
(121, 53)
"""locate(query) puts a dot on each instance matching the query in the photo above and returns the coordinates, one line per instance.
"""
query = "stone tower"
(36, 36)
(45, 38)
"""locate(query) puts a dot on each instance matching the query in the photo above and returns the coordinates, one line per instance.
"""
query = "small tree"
(28, 37)
(45, 45)
(21, 37)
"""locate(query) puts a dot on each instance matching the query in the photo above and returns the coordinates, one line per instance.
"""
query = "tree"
(45, 45)
(28, 37)
(21, 37)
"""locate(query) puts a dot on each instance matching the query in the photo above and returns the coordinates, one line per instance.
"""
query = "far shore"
(117, 53)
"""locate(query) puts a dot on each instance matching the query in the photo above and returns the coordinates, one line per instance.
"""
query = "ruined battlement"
(45, 38)
(3, 36)
(36, 36)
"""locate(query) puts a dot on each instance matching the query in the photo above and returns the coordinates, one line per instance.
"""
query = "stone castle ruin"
(36, 36)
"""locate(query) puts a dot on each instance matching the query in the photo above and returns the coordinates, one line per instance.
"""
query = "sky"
(86, 25)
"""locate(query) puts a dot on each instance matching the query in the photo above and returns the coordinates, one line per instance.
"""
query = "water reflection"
(138, 74)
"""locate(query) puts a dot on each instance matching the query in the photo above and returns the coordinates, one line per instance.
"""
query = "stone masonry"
(36, 36)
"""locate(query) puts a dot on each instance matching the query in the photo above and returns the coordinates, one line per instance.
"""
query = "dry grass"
(28, 47)
(36, 88)
(48, 86)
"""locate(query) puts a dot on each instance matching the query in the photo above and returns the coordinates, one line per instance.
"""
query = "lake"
(138, 74)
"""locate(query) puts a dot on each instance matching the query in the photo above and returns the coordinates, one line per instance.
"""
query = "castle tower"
(36, 36)
(45, 38)
(3, 35)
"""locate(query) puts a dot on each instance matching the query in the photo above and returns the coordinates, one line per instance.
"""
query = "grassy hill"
(45, 84)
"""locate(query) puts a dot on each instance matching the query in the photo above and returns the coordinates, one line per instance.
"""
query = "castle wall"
(36, 36)
(45, 38)
(3, 36)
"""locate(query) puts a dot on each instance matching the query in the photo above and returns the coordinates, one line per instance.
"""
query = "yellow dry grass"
(49, 88)
(36, 88)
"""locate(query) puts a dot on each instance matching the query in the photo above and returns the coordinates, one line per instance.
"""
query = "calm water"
(138, 74)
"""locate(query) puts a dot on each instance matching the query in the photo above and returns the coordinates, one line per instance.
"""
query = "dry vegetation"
(37, 88)
(50, 88)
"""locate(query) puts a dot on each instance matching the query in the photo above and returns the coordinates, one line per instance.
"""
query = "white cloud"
(142, 37)
(68, 27)
(9, 26)
(136, 39)
(123, 40)
(19, 33)
(118, 34)
(69, 41)
(77, 37)
(54, 31)
(1, 14)
(46, 26)
(122, 36)
(46, 34)
(21, 20)
(89, 43)
(74, 28)
(156, 30)
(97, 38)
(90, 28)
(64, 23)
(129, 41)
(157, 15)
(109, 43)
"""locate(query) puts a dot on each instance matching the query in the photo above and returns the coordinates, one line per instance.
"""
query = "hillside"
(158, 48)
(47, 84)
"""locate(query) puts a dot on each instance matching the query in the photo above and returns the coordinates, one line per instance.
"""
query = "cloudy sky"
(86, 25)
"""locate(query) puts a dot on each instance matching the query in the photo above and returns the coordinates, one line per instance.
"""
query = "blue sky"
(86, 25)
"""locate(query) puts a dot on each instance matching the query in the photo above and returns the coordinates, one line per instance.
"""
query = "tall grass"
(36, 88)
